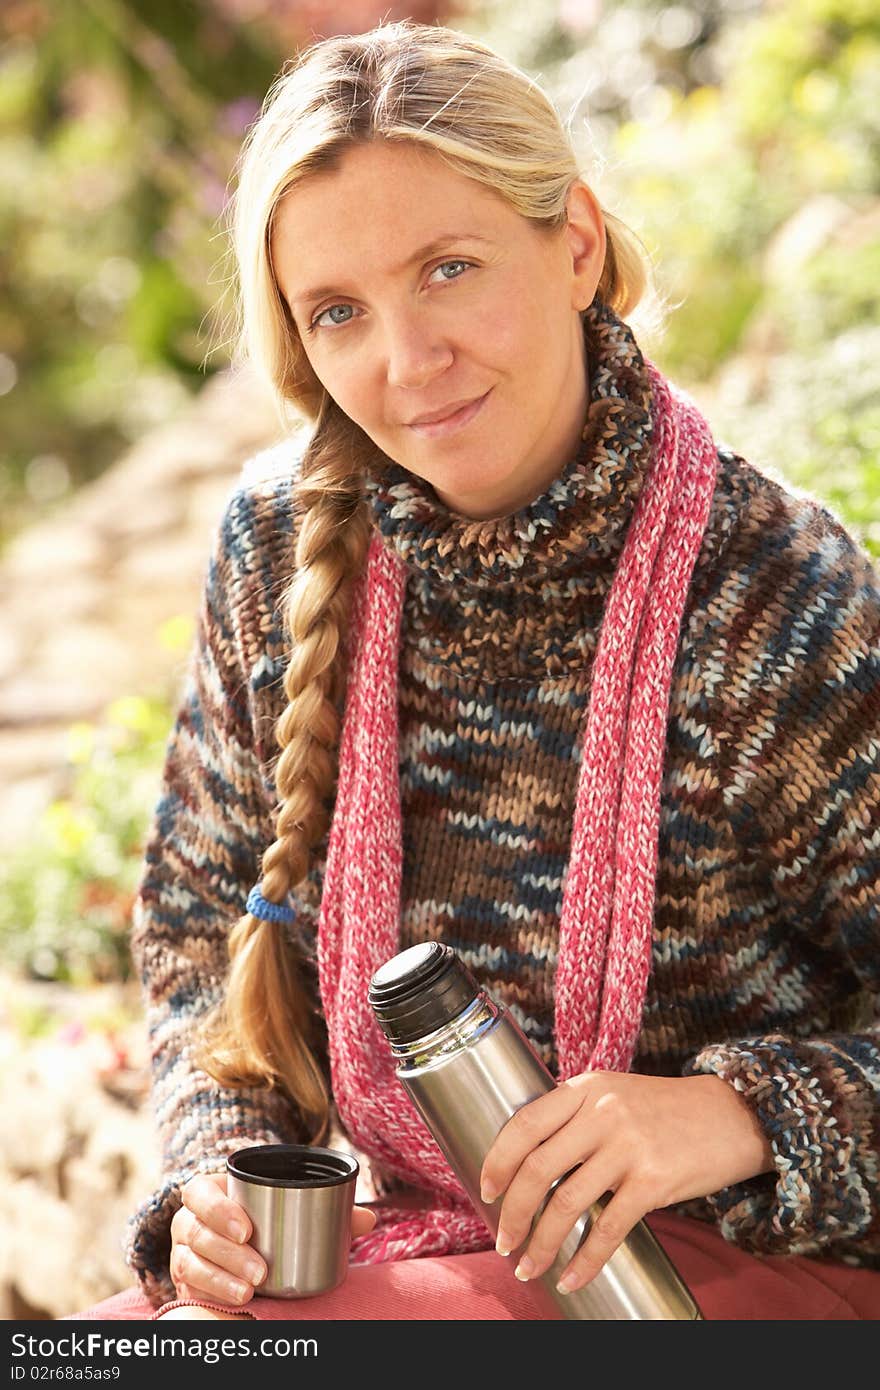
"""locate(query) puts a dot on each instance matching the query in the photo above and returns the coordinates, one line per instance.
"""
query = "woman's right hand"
(210, 1254)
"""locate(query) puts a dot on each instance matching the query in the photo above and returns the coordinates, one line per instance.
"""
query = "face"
(414, 289)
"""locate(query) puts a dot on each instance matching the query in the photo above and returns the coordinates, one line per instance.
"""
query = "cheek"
(511, 346)
(493, 332)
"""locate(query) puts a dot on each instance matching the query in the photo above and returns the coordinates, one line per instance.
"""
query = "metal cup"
(300, 1201)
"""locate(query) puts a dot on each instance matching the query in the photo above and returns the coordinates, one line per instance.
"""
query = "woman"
(556, 681)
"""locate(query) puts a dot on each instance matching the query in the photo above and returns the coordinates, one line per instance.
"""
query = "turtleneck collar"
(576, 527)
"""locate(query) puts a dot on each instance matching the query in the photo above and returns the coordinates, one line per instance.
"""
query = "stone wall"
(85, 592)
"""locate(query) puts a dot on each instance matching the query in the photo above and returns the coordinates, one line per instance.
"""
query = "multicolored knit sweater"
(766, 943)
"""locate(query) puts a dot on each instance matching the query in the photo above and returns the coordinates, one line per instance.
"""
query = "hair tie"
(258, 906)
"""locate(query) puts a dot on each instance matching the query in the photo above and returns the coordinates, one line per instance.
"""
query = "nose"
(416, 351)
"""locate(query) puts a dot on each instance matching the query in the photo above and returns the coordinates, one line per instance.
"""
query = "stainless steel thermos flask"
(468, 1067)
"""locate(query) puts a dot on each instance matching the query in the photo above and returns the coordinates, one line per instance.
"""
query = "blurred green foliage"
(119, 123)
(66, 897)
(739, 139)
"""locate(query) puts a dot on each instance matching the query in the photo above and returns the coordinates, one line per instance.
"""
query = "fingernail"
(488, 1193)
(525, 1269)
(504, 1243)
(567, 1283)
(237, 1289)
(254, 1272)
(236, 1231)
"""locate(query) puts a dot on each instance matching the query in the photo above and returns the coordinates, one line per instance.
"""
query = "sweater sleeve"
(814, 806)
(203, 853)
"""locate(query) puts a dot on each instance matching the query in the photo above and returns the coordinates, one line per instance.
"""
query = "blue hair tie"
(258, 906)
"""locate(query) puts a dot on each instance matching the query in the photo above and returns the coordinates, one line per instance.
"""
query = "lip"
(454, 422)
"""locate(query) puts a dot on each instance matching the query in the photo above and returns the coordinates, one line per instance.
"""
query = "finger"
(202, 1278)
(609, 1230)
(567, 1203)
(242, 1261)
(200, 1180)
(524, 1131)
(205, 1196)
(551, 1162)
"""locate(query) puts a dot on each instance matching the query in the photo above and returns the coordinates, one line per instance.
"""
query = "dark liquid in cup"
(292, 1165)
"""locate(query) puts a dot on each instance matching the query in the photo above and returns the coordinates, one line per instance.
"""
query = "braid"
(261, 1033)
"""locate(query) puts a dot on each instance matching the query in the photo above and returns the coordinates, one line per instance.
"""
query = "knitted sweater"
(766, 941)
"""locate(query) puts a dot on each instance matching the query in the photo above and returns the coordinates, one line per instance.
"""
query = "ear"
(586, 237)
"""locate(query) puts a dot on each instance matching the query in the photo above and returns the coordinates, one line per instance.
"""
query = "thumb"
(362, 1221)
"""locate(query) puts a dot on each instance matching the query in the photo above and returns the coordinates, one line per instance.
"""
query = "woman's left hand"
(650, 1140)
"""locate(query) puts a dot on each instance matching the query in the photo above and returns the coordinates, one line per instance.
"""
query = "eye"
(316, 321)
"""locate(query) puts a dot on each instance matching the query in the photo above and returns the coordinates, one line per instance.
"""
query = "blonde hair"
(491, 122)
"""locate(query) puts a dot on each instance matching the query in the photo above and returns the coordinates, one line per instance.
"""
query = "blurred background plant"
(739, 139)
(66, 896)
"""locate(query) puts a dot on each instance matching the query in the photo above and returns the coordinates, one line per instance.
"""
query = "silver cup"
(300, 1201)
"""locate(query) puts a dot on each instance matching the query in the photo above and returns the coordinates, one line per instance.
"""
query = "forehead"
(385, 179)
(375, 208)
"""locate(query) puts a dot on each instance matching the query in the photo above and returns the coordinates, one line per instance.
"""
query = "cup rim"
(340, 1167)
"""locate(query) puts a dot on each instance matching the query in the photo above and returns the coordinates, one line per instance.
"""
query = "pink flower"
(71, 1033)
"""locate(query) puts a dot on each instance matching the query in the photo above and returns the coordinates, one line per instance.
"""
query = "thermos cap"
(420, 990)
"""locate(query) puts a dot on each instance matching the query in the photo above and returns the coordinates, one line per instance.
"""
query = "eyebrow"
(423, 252)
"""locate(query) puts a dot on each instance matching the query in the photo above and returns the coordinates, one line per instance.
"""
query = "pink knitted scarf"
(605, 928)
